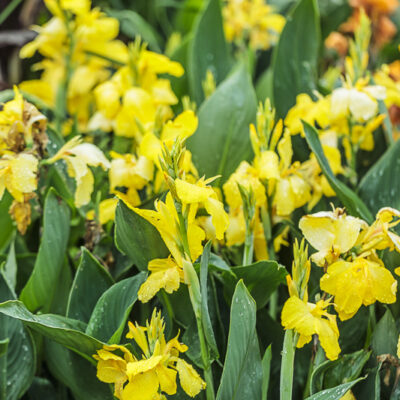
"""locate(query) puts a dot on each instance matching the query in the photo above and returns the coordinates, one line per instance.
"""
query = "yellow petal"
(164, 277)
(220, 218)
(141, 387)
(268, 165)
(190, 380)
(195, 235)
(190, 193)
(328, 338)
(296, 315)
(167, 379)
(183, 126)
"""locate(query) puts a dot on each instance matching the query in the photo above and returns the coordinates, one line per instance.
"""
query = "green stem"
(273, 305)
(9, 9)
(371, 325)
(248, 246)
(210, 393)
(287, 364)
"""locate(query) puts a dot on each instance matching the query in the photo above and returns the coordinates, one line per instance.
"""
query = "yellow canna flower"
(252, 21)
(18, 174)
(130, 172)
(168, 273)
(248, 177)
(199, 194)
(359, 102)
(164, 274)
(155, 373)
(78, 156)
(182, 127)
(106, 211)
(308, 319)
(356, 283)
(331, 233)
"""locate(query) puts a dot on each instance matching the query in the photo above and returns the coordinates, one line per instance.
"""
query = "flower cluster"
(155, 372)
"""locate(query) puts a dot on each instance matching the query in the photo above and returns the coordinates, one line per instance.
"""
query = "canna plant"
(187, 201)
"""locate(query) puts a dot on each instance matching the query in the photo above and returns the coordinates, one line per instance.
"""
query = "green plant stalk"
(195, 298)
(287, 364)
(248, 246)
(9, 9)
(3, 376)
(371, 325)
(210, 393)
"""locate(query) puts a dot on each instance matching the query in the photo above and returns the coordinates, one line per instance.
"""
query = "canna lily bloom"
(168, 273)
(130, 172)
(200, 194)
(359, 101)
(252, 20)
(247, 176)
(308, 319)
(360, 282)
(78, 156)
(182, 127)
(331, 233)
(155, 373)
(18, 174)
(21, 124)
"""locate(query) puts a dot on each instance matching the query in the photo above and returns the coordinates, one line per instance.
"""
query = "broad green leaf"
(6, 223)
(265, 85)
(91, 281)
(350, 200)
(205, 316)
(137, 238)
(39, 291)
(44, 389)
(295, 57)
(335, 393)
(66, 331)
(133, 25)
(180, 85)
(76, 373)
(112, 310)
(242, 373)
(208, 49)
(261, 279)
(186, 15)
(266, 368)
(64, 284)
(18, 361)
(222, 140)
(385, 336)
(332, 373)
(379, 186)
(10, 267)
(333, 14)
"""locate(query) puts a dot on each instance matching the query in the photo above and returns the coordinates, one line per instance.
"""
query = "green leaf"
(76, 373)
(222, 140)
(205, 316)
(378, 188)
(91, 281)
(39, 291)
(265, 85)
(332, 373)
(295, 57)
(66, 331)
(350, 200)
(261, 279)
(208, 49)
(11, 267)
(137, 238)
(6, 223)
(266, 368)
(333, 14)
(385, 336)
(133, 25)
(111, 312)
(335, 393)
(17, 354)
(242, 373)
